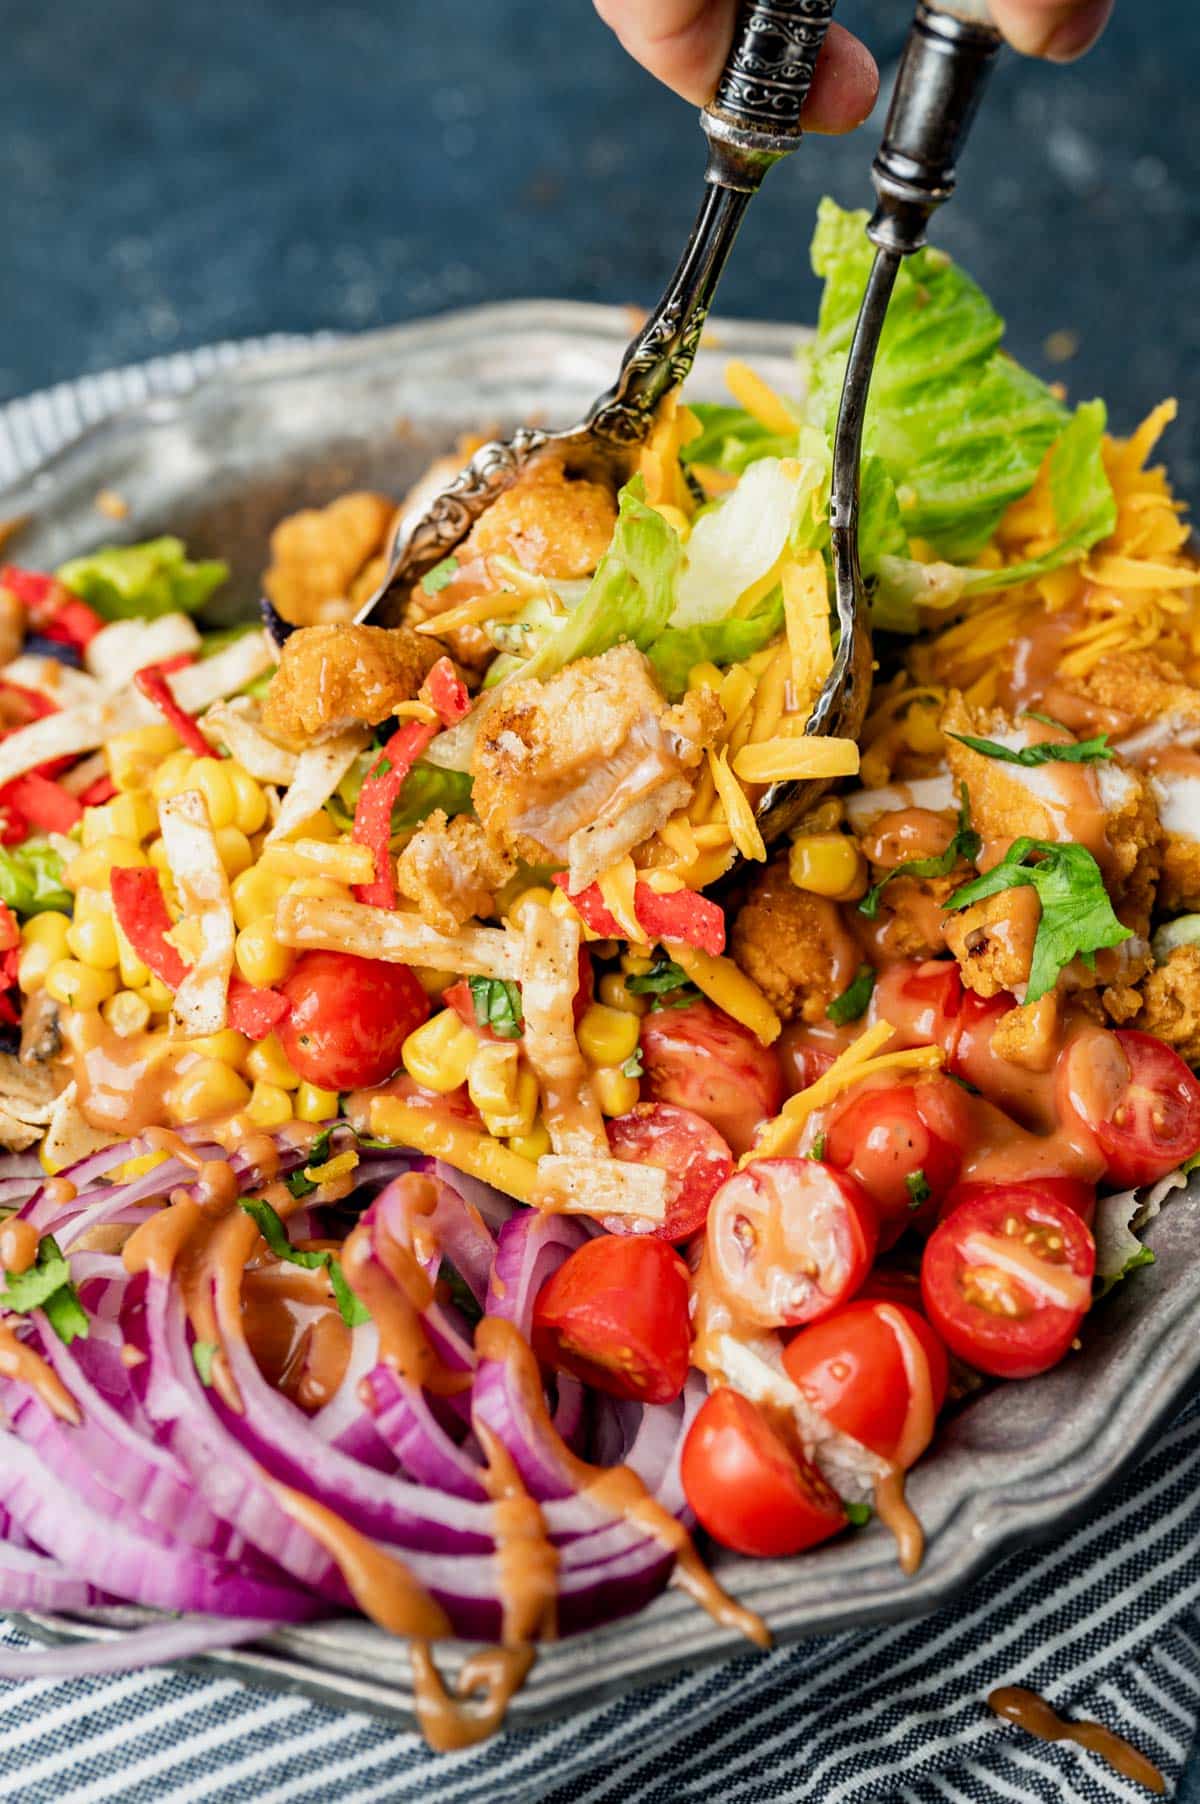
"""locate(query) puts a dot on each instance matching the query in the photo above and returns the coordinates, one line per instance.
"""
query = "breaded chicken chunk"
(911, 921)
(551, 524)
(993, 940)
(584, 767)
(794, 946)
(332, 676)
(319, 557)
(1120, 694)
(1171, 1003)
(451, 872)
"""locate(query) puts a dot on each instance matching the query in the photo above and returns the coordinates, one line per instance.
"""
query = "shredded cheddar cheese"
(782, 759)
(742, 826)
(806, 618)
(864, 1058)
(766, 404)
(467, 1149)
(618, 886)
(727, 985)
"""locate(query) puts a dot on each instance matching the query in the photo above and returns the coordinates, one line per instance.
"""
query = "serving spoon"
(753, 121)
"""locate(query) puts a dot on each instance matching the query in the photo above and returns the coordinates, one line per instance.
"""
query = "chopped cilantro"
(203, 1354)
(858, 1514)
(440, 577)
(854, 1001)
(666, 981)
(917, 1185)
(47, 1285)
(1087, 751)
(498, 1006)
(633, 1066)
(1077, 918)
(275, 1234)
(298, 1183)
(964, 845)
(817, 1149)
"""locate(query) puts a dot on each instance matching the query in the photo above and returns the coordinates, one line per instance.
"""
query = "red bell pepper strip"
(151, 681)
(141, 912)
(10, 932)
(446, 693)
(42, 803)
(30, 704)
(10, 964)
(53, 610)
(97, 793)
(373, 814)
(682, 915)
(13, 826)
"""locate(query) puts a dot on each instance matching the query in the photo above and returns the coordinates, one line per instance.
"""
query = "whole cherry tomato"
(1007, 1279)
(790, 1240)
(704, 1060)
(682, 1144)
(876, 1371)
(349, 1018)
(615, 1315)
(750, 1490)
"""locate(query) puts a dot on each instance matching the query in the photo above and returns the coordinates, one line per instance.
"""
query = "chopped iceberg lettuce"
(127, 582)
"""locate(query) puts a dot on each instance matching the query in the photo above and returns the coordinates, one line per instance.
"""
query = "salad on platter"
(453, 1169)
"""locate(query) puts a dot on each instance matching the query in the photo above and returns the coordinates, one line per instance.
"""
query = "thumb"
(1058, 30)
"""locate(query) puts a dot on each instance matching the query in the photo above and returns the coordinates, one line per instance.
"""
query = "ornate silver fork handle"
(753, 121)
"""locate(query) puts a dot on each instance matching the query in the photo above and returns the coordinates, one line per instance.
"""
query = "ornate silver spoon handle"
(752, 121)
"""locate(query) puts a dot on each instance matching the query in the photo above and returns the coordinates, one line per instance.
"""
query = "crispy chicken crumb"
(794, 946)
(584, 767)
(318, 557)
(1171, 1003)
(331, 676)
(451, 872)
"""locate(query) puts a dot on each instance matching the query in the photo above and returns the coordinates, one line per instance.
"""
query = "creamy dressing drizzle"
(1033, 1714)
(893, 1511)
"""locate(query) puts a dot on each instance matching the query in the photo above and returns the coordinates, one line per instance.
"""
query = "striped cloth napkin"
(1103, 1623)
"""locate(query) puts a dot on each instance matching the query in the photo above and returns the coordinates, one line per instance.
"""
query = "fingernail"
(1075, 35)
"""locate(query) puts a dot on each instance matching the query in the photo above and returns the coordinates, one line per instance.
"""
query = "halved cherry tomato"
(903, 1142)
(682, 1144)
(1076, 1193)
(1007, 1279)
(1138, 1098)
(969, 1045)
(748, 1488)
(790, 1240)
(349, 1018)
(878, 1372)
(921, 1001)
(615, 1314)
(704, 1060)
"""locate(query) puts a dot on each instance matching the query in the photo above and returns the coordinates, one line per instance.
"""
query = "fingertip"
(845, 85)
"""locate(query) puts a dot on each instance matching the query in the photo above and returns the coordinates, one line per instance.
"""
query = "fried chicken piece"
(331, 676)
(451, 872)
(1171, 1003)
(551, 524)
(318, 555)
(587, 765)
(911, 922)
(993, 940)
(1119, 694)
(794, 946)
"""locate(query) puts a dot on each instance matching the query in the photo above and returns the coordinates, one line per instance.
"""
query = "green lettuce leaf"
(426, 787)
(31, 878)
(677, 651)
(731, 439)
(960, 427)
(125, 582)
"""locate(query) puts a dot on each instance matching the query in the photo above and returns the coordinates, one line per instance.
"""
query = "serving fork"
(752, 122)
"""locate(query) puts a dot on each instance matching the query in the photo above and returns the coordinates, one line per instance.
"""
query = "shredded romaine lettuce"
(779, 501)
(126, 582)
(31, 878)
(676, 652)
(731, 439)
(426, 787)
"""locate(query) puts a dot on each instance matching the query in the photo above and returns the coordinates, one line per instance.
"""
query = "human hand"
(685, 43)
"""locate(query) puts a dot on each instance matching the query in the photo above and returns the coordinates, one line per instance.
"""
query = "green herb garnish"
(855, 999)
(817, 1149)
(964, 845)
(47, 1285)
(497, 1003)
(1077, 918)
(440, 577)
(666, 981)
(858, 1514)
(633, 1066)
(203, 1354)
(917, 1185)
(299, 1183)
(1087, 751)
(275, 1234)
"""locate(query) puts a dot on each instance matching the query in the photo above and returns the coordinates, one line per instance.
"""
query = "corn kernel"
(137, 1168)
(126, 1013)
(537, 896)
(921, 730)
(269, 1106)
(438, 1054)
(156, 852)
(828, 864)
(160, 1000)
(209, 1087)
(635, 964)
(90, 868)
(134, 758)
(519, 1117)
(615, 1092)
(267, 1063)
(616, 993)
(226, 1044)
(172, 776)
(492, 1077)
(533, 1144)
(43, 943)
(49, 1166)
(234, 850)
(208, 775)
(313, 1104)
(431, 981)
(129, 816)
(561, 904)
(256, 893)
(79, 986)
(606, 1035)
(328, 889)
(47, 929)
(318, 826)
(250, 804)
(93, 941)
(261, 958)
(133, 972)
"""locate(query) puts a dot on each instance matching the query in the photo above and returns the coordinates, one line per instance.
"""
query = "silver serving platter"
(1017, 1464)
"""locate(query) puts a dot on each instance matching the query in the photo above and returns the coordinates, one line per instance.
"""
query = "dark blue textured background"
(172, 174)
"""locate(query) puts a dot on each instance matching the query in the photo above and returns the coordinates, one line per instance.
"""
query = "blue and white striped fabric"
(1104, 1623)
